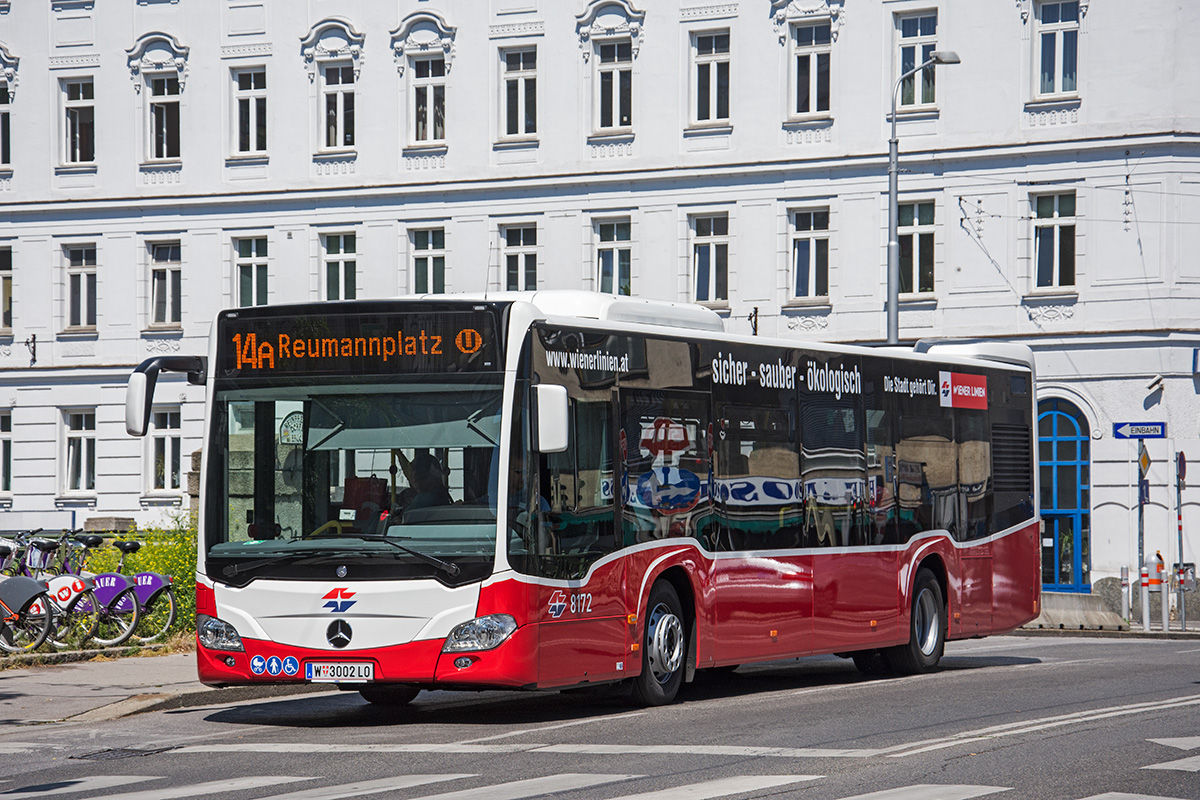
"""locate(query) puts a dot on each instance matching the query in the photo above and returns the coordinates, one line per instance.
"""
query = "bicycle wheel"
(27, 631)
(118, 620)
(76, 623)
(157, 616)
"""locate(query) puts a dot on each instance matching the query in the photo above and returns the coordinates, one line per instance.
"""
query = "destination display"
(254, 346)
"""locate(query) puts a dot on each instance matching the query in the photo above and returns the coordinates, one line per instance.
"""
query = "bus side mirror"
(552, 415)
(139, 392)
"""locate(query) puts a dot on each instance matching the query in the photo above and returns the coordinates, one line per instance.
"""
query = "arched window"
(1065, 459)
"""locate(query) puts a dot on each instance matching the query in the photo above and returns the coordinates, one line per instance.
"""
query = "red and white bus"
(562, 489)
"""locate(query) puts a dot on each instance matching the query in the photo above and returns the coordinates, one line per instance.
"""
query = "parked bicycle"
(118, 608)
(24, 608)
(155, 591)
(69, 608)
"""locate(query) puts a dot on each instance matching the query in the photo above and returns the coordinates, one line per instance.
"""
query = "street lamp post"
(893, 251)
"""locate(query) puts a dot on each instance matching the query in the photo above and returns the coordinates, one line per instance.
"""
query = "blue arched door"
(1065, 459)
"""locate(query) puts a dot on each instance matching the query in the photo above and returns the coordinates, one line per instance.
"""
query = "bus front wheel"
(927, 629)
(663, 648)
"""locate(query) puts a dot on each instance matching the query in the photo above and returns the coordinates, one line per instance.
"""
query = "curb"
(146, 703)
(22, 660)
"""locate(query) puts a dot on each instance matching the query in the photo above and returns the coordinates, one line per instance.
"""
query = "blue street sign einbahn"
(1140, 430)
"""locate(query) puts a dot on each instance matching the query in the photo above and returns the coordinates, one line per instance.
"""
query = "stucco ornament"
(157, 52)
(423, 33)
(603, 19)
(332, 39)
(8, 69)
(786, 13)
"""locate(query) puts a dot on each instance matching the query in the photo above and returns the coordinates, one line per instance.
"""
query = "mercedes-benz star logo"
(338, 633)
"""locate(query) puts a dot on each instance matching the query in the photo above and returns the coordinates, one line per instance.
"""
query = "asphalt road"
(1008, 717)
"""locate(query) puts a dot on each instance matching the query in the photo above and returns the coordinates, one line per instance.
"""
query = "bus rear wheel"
(663, 649)
(927, 629)
(395, 695)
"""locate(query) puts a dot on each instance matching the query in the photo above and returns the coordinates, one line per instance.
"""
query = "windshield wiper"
(234, 569)
(446, 566)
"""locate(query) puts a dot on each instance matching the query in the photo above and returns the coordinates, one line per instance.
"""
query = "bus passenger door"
(974, 517)
(582, 604)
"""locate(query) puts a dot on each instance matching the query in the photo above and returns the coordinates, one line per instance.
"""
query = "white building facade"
(163, 159)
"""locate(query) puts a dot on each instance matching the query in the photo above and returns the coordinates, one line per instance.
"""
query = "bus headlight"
(216, 634)
(481, 633)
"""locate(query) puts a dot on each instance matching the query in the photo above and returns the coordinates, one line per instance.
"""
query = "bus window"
(881, 455)
(833, 471)
(757, 474)
(664, 446)
(974, 473)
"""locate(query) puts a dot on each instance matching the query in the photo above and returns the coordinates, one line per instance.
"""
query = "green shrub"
(171, 551)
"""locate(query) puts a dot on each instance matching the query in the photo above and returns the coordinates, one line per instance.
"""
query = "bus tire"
(871, 662)
(927, 629)
(664, 648)
(390, 695)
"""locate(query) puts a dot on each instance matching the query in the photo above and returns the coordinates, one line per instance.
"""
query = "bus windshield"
(391, 479)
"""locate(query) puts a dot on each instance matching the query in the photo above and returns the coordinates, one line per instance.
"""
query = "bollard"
(1125, 593)
(1145, 597)
(1164, 589)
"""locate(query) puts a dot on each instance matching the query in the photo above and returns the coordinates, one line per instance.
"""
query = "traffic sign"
(1143, 492)
(1143, 458)
(1140, 430)
(1181, 466)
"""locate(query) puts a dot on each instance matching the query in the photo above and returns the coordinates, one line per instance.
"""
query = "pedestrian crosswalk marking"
(364, 788)
(357, 749)
(1127, 796)
(530, 787)
(1190, 764)
(70, 785)
(1181, 743)
(702, 750)
(227, 786)
(721, 787)
(932, 791)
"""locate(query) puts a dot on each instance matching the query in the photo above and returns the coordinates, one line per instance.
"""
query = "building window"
(811, 51)
(79, 146)
(614, 257)
(614, 97)
(918, 38)
(520, 258)
(810, 253)
(5, 452)
(1054, 239)
(1058, 47)
(710, 257)
(5, 138)
(166, 443)
(429, 260)
(81, 285)
(81, 451)
(251, 98)
(338, 92)
(250, 271)
(341, 266)
(520, 92)
(166, 283)
(6, 289)
(429, 100)
(164, 117)
(711, 54)
(916, 246)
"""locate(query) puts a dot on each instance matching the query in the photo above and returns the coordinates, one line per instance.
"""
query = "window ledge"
(515, 143)
(242, 159)
(161, 163)
(336, 155)
(1053, 102)
(620, 136)
(722, 128)
(6, 171)
(822, 120)
(76, 169)
(6, 335)
(75, 500)
(79, 332)
(161, 499)
(431, 149)
(1057, 294)
(808, 304)
(719, 306)
(163, 329)
(916, 113)
(915, 301)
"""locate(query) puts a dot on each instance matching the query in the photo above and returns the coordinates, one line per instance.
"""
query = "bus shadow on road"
(499, 708)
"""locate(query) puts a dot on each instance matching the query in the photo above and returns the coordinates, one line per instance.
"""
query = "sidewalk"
(92, 691)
